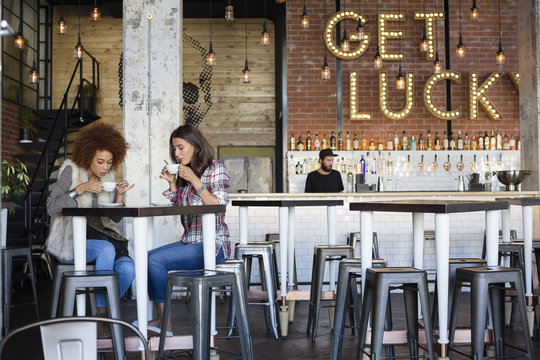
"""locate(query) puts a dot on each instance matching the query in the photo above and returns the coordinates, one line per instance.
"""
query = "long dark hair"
(202, 155)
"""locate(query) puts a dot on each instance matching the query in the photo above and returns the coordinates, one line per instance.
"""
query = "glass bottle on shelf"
(348, 145)
(292, 143)
(350, 180)
(437, 142)
(372, 145)
(480, 141)
(324, 142)
(512, 142)
(390, 164)
(332, 141)
(429, 140)
(412, 145)
(340, 141)
(343, 169)
(308, 141)
(291, 167)
(459, 141)
(452, 141)
(486, 141)
(362, 165)
(396, 141)
(498, 141)
(505, 144)
(305, 168)
(467, 142)
(317, 142)
(445, 141)
(355, 142)
(492, 141)
(421, 142)
(389, 142)
(380, 144)
(298, 168)
(364, 141)
(404, 141)
(300, 144)
(474, 143)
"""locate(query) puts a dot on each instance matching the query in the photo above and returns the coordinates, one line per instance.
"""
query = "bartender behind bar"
(324, 180)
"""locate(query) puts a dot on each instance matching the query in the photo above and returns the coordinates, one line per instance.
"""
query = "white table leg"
(140, 235)
(331, 220)
(283, 240)
(492, 237)
(418, 247)
(527, 214)
(366, 241)
(243, 224)
(290, 246)
(209, 248)
(442, 247)
(505, 220)
(150, 244)
(79, 256)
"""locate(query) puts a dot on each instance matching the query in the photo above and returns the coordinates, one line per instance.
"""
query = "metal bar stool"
(354, 238)
(377, 286)
(94, 281)
(8, 253)
(236, 266)
(59, 271)
(264, 253)
(322, 254)
(274, 239)
(489, 282)
(200, 283)
(346, 295)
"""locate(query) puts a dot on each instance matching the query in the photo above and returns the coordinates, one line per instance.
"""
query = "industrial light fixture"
(19, 40)
(400, 79)
(345, 43)
(79, 50)
(437, 67)
(61, 25)
(377, 59)
(460, 49)
(424, 43)
(304, 19)
(359, 26)
(95, 15)
(500, 59)
(211, 57)
(33, 76)
(246, 73)
(325, 71)
(265, 36)
(229, 11)
(475, 12)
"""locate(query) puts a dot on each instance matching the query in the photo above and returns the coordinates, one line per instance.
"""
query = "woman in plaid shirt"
(201, 180)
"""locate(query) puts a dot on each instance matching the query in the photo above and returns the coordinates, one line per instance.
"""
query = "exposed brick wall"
(10, 130)
(312, 101)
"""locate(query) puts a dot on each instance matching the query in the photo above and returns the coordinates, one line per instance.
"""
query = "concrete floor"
(296, 346)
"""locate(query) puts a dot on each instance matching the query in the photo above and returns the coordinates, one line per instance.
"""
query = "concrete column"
(529, 101)
(152, 100)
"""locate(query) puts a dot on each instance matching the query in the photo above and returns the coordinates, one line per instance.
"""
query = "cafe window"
(17, 63)
(251, 168)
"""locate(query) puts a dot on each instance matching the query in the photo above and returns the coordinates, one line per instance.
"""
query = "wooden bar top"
(525, 201)
(429, 206)
(144, 211)
(287, 203)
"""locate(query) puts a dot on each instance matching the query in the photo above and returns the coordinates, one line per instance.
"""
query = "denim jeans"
(102, 253)
(174, 256)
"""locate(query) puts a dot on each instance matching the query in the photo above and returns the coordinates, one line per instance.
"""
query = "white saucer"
(110, 205)
(165, 203)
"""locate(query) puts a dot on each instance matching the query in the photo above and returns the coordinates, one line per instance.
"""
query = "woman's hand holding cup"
(167, 175)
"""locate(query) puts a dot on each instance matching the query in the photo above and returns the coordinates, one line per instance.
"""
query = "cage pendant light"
(475, 12)
(437, 66)
(246, 73)
(424, 43)
(460, 49)
(33, 76)
(95, 15)
(377, 59)
(78, 53)
(500, 59)
(19, 40)
(359, 26)
(400, 79)
(265, 36)
(304, 19)
(345, 43)
(210, 57)
(325, 70)
(61, 25)
(229, 11)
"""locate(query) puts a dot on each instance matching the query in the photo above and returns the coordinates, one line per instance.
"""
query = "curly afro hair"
(95, 138)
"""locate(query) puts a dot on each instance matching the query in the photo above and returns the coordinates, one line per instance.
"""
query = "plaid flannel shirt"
(216, 179)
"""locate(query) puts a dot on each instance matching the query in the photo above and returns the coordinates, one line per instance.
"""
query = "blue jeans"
(174, 256)
(102, 253)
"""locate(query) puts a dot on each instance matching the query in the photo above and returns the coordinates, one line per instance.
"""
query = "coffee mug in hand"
(109, 185)
(173, 168)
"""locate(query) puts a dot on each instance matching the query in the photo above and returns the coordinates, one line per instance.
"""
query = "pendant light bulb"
(360, 30)
(424, 43)
(437, 67)
(265, 36)
(304, 19)
(460, 50)
(280, 1)
(79, 50)
(19, 40)
(475, 12)
(33, 77)
(500, 59)
(246, 74)
(61, 25)
(325, 71)
(400, 79)
(229, 11)
(211, 57)
(95, 15)
(377, 59)
(345, 43)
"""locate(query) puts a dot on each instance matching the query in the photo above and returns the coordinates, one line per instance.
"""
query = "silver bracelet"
(73, 194)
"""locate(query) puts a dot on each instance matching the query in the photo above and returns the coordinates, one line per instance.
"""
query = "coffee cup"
(109, 185)
(173, 168)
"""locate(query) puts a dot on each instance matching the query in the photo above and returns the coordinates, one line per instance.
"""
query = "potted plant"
(28, 124)
(14, 181)
(87, 98)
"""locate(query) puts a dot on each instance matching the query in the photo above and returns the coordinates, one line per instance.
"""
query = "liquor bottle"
(293, 143)
(498, 141)
(396, 141)
(452, 141)
(372, 145)
(437, 142)
(474, 143)
(466, 142)
(362, 165)
(429, 140)
(518, 146)
(332, 141)
(512, 143)
(355, 142)
(412, 146)
(350, 180)
(291, 167)
(317, 142)
(348, 146)
(340, 141)
(324, 142)
(343, 169)
(300, 144)
(390, 142)
(308, 141)
(480, 141)
(486, 141)
(505, 144)
(459, 141)
(404, 141)
(445, 141)
(298, 168)
(492, 141)
(364, 141)
(380, 144)
(390, 164)
(305, 168)
(421, 142)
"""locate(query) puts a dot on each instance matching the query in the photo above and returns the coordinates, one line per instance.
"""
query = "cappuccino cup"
(172, 168)
(109, 185)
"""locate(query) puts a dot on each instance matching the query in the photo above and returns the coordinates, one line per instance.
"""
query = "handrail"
(63, 112)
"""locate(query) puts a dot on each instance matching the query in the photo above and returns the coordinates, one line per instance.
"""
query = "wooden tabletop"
(145, 211)
(287, 203)
(526, 201)
(429, 206)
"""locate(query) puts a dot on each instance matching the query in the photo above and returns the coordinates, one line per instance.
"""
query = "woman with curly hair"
(97, 152)
(200, 180)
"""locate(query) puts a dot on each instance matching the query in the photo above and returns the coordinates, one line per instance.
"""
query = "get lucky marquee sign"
(477, 92)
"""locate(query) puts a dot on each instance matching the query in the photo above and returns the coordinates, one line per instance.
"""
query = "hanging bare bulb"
(95, 15)
(424, 43)
(400, 79)
(345, 43)
(460, 50)
(500, 59)
(61, 25)
(19, 40)
(246, 74)
(377, 59)
(265, 36)
(79, 50)
(229, 11)
(437, 67)
(211, 57)
(325, 71)
(304, 19)
(475, 12)
(280, 1)
(360, 30)
(33, 76)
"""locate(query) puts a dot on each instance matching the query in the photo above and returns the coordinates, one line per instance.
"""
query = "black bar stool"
(350, 270)
(322, 254)
(489, 282)
(200, 283)
(377, 286)
(59, 271)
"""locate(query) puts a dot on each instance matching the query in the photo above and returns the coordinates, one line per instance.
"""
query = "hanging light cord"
(210, 21)
(459, 16)
(245, 23)
(79, 11)
(499, 21)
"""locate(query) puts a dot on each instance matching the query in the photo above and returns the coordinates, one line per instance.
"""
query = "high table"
(143, 226)
(442, 209)
(286, 237)
(527, 217)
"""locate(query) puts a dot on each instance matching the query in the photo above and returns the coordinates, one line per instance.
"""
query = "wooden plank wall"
(239, 114)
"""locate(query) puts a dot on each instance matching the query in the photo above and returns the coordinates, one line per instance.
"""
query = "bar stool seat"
(59, 270)
(201, 284)
(322, 254)
(377, 286)
(489, 283)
